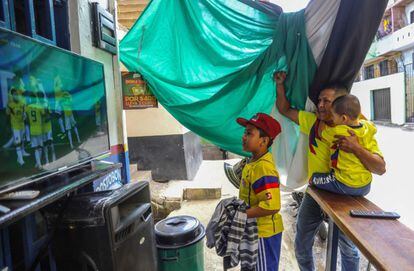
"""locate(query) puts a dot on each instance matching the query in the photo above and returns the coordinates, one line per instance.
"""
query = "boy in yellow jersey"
(16, 111)
(70, 123)
(57, 86)
(348, 175)
(47, 128)
(259, 188)
(35, 114)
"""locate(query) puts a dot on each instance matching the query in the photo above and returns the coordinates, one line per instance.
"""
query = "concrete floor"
(394, 190)
(211, 175)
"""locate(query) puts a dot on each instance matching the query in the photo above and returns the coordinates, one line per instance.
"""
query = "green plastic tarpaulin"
(209, 62)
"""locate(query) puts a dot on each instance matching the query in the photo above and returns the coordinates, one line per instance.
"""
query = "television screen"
(52, 109)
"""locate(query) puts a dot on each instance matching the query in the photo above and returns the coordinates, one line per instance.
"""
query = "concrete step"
(133, 168)
(128, 23)
(141, 175)
(132, 2)
(131, 8)
(201, 193)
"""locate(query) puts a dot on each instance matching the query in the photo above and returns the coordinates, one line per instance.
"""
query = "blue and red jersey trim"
(313, 135)
(334, 157)
(264, 183)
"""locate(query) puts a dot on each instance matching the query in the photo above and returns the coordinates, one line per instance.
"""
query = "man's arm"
(259, 212)
(373, 162)
(282, 103)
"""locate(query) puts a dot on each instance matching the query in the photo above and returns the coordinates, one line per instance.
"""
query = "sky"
(291, 5)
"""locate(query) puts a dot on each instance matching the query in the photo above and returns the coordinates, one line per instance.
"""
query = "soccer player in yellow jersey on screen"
(16, 111)
(47, 128)
(70, 123)
(35, 113)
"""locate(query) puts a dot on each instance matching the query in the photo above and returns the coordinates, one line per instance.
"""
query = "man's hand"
(372, 162)
(279, 77)
(348, 143)
(282, 102)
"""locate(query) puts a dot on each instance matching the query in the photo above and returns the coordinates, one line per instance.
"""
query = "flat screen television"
(52, 110)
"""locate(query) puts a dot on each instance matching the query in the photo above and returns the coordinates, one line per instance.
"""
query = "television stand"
(54, 188)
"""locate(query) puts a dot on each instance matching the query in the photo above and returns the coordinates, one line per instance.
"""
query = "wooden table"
(387, 244)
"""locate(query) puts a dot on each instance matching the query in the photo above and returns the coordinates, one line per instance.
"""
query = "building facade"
(385, 84)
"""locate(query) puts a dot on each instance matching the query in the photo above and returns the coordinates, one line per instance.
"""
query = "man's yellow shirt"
(318, 150)
(260, 187)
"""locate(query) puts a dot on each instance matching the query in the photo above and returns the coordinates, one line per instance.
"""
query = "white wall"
(408, 56)
(396, 83)
(81, 42)
(152, 122)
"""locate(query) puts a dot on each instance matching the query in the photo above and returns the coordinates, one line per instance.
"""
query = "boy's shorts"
(328, 182)
(269, 253)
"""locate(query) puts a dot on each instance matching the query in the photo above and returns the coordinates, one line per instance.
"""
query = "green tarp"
(211, 61)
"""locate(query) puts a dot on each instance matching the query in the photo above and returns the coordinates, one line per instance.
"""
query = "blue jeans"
(309, 218)
(328, 182)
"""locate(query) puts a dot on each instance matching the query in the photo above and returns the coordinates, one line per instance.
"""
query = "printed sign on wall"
(136, 94)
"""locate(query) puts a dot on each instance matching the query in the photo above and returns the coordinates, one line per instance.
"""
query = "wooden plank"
(388, 244)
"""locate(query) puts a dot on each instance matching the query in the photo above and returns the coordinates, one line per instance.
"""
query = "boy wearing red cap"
(259, 188)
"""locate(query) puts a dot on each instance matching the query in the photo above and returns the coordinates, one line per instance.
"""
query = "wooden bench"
(387, 244)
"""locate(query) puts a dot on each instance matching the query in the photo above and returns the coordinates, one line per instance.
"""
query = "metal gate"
(409, 92)
(382, 104)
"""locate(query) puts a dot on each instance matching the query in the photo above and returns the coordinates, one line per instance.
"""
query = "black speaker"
(107, 231)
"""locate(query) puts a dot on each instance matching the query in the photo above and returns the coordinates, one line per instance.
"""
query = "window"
(412, 17)
(369, 72)
(383, 68)
(44, 20)
(43, 13)
(22, 25)
(4, 15)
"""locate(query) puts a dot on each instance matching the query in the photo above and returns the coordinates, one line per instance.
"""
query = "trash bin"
(180, 244)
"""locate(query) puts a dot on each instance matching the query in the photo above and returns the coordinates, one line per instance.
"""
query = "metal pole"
(332, 249)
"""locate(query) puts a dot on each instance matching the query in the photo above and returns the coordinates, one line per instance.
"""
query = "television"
(53, 111)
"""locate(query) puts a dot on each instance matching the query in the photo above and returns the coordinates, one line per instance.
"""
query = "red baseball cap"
(264, 122)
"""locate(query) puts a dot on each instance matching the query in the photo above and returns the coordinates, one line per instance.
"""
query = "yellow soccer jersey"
(66, 102)
(260, 187)
(47, 120)
(318, 150)
(35, 113)
(16, 112)
(347, 167)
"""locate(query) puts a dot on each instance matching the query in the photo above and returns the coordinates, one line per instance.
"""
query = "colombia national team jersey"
(16, 112)
(347, 167)
(318, 150)
(260, 187)
(35, 113)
